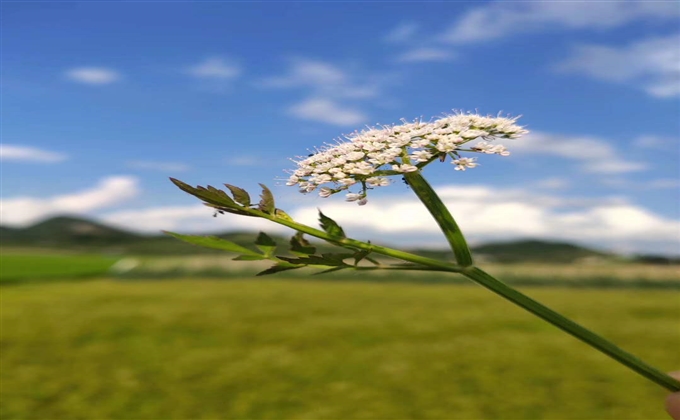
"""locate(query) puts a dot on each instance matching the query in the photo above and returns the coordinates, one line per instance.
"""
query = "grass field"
(589, 275)
(24, 266)
(275, 349)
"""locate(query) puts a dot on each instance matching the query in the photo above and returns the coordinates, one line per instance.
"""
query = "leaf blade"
(213, 242)
(266, 204)
(331, 227)
(241, 196)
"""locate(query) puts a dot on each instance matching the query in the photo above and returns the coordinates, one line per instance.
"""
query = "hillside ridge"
(82, 234)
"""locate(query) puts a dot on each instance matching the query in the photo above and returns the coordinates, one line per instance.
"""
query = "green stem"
(489, 282)
(455, 237)
(352, 243)
(442, 216)
(571, 327)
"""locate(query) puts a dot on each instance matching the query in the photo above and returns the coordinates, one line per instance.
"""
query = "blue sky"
(102, 101)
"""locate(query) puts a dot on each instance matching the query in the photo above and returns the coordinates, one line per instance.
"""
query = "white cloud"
(485, 213)
(309, 72)
(93, 75)
(500, 19)
(553, 183)
(656, 142)
(29, 154)
(664, 183)
(402, 33)
(332, 92)
(244, 161)
(325, 79)
(425, 54)
(327, 111)
(158, 166)
(195, 218)
(108, 192)
(215, 68)
(595, 155)
(635, 185)
(652, 64)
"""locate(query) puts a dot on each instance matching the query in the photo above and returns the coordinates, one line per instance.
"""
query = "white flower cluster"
(372, 154)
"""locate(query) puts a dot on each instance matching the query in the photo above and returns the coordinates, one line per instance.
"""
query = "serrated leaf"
(266, 201)
(218, 193)
(249, 258)
(238, 210)
(210, 195)
(375, 262)
(241, 196)
(213, 242)
(330, 270)
(326, 259)
(330, 226)
(265, 243)
(283, 215)
(301, 246)
(360, 256)
(340, 258)
(278, 268)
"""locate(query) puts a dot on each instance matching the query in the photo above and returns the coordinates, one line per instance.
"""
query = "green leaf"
(283, 215)
(330, 270)
(325, 259)
(301, 246)
(210, 195)
(278, 268)
(360, 255)
(213, 242)
(257, 257)
(238, 210)
(337, 258)
(331, 228)
(240, 195)
(265, 243)
(267, 201)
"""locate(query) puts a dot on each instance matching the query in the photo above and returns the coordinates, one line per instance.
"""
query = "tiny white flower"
(362, 155)
(347, 181)
(464, 163)
(421, 156)
(354, 155)
(404, 168)
(446, 145)
(473, 134)
(378, 182)
(353, 197)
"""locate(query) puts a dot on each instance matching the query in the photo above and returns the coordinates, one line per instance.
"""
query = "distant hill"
(524, 251)
(85, 235)
(537, 251)
(66, 231)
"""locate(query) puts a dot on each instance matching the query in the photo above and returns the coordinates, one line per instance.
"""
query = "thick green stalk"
(442, 216)
(571, 327)
(496, 286)
(457, 241)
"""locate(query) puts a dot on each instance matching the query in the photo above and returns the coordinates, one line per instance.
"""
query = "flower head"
(366, 157)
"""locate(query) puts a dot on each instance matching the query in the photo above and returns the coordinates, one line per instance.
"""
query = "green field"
(267, 348)
(19, 267)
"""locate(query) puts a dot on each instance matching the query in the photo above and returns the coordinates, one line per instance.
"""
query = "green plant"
(366, 160)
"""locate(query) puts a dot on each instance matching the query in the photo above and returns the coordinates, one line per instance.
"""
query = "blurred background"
(104, 317)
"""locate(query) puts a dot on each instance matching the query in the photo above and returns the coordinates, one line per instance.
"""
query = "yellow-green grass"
(278, 349)
(602, 274)
(15, 267)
